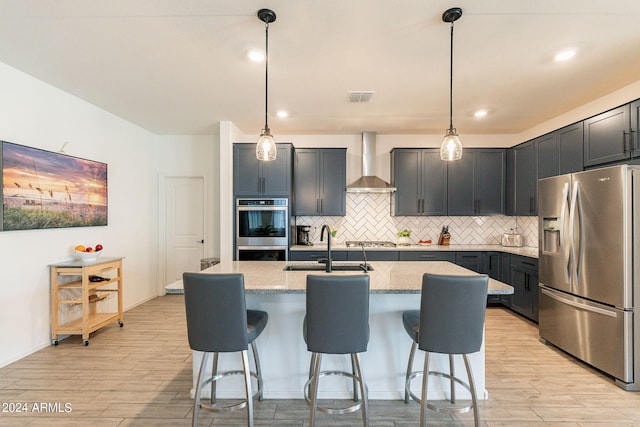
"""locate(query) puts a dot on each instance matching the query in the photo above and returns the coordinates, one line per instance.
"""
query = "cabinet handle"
(422, 210)
(318, 205)
(419, 206)
(625, 142)
(321, 209)
(532, 204)
(264, 185)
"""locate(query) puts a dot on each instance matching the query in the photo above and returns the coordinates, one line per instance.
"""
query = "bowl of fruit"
(88, 253)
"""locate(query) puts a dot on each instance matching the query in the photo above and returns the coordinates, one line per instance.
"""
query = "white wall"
(190, 156)
(38, 115)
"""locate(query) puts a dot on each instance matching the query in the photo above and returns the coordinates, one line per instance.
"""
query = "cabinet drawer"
(314, 255)
(102, 268)
(468, 257)
(524, 262)
(373, 255)
(426, 256)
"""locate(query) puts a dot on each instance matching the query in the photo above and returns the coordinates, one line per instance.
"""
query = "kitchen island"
(395, 287)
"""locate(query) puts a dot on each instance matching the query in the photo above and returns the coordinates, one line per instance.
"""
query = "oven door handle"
(261, 208)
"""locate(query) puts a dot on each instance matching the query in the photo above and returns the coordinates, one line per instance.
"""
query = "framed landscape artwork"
(43, 189)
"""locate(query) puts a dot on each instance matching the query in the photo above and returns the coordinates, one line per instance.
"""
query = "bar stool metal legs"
(212, 406)
(360, 387)
(424, 405)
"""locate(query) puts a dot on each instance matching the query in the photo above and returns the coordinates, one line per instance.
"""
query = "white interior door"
(184, 226)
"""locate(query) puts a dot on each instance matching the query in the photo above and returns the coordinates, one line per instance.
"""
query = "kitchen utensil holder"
(444, 239)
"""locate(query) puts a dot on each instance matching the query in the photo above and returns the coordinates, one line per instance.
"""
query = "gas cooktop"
(369, 244)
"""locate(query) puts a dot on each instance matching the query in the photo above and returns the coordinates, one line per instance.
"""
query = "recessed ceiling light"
(255, 55)
(565, 55)
(480, 113)
(282, 114)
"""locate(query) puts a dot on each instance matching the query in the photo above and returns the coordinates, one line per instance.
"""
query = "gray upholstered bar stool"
(337, 322)
(450, 321)
(218, 322)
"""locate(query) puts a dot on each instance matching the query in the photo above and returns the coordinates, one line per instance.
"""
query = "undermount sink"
(322, 267)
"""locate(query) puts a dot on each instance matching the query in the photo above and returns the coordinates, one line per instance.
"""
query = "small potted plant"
(403, 237)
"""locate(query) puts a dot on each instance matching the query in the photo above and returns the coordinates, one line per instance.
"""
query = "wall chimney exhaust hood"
(369, 182)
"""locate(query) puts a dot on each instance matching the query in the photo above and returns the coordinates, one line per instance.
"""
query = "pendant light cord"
(266, 78)
(451, 82)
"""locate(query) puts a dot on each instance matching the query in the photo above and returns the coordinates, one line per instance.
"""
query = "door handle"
(578, 305)
(563, 211)
(572, 243)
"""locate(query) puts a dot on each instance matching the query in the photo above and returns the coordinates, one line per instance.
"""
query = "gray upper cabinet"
(635, 128)
(608, 136)
(420, 177)
(475, 183)
(254, 178)
(320, 181)
(522, 182)
(561, 151)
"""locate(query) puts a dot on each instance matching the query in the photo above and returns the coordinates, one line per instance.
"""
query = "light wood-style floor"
(140, 375)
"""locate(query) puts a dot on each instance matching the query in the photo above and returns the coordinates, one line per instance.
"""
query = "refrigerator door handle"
(563, 211)
(577, 244)
(578, 305)
(572, 222)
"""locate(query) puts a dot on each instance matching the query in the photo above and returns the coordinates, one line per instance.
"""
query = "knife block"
(444, 239)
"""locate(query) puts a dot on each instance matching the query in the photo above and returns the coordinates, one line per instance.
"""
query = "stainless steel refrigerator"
(589, 268)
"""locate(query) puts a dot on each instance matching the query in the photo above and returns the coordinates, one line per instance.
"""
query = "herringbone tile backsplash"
(369, 218)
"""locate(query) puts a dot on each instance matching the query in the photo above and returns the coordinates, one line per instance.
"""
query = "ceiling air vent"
(360, 96)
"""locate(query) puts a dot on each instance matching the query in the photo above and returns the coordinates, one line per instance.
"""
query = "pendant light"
(451, 148)
(266, 149)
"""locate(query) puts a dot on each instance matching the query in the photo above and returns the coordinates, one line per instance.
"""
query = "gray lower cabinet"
(426, 256)
(320, 181)
(470, 260)
(476, 183)
(372, 255)
(315, 255)
(254, 178)
(420, 177)
(523, 276)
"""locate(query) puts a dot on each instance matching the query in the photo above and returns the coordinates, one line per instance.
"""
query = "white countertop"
(269, 277)
(527, 251)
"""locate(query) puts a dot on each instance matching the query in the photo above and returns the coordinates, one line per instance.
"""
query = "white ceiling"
(179, 66)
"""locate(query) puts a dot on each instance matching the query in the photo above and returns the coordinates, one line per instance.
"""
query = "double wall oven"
(262, 229)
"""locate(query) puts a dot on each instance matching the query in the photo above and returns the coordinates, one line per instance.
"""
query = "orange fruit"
(79, 248)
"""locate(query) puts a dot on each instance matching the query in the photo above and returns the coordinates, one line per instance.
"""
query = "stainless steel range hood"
(369, 182)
